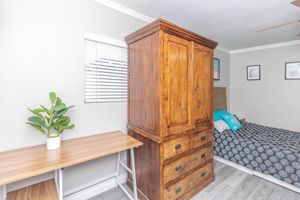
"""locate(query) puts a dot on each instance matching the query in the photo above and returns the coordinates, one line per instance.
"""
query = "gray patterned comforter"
(267, 150)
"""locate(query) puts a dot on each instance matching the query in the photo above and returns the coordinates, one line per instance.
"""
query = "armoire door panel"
(202, 72)
(144, 69)
(178, 84)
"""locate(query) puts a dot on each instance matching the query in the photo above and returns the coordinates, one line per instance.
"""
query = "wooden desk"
(24, 163)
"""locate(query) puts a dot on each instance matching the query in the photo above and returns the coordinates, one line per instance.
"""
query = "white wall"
(225, 72)
(271, 101)
(41, 48)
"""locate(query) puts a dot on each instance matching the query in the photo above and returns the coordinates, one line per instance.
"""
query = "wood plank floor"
(230, 184)
(41, 191)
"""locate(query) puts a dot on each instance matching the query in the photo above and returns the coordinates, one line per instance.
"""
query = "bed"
(266, 150)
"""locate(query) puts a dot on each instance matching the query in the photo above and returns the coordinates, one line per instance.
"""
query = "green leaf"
(62, 112)
(52, 97)
(46, 110)
(36, 111)
(62, 128)
(59, 107)
(58, 101)
(37, 127)
(62, 120)
(37, 120)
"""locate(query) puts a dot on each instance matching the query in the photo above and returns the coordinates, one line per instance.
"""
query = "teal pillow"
(232, 122)
(219, 114)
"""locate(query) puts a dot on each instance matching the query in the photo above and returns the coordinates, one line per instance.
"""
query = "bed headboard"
(220, 98)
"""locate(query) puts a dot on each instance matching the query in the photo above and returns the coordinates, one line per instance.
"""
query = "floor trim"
(258, 174)
(96, 189)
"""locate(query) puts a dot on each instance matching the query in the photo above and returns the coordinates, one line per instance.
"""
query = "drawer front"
(185, 164)
(185, 185)
(176, 146)
(201, 137)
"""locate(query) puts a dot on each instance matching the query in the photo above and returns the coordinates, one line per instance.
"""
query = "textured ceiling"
(232, 23)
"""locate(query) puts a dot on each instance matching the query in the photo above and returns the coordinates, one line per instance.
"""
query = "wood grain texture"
(161, 24)
(188, 183)
(144, 68)
(41, 191)
(170, 100)
(147, 164)
(176, 146)
(185, 164)
(199, 138)
(203, 83)
(220, 101)
(178, 82)
(28, 162)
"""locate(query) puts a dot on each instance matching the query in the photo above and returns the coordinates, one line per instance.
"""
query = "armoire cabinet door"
(203, 83)
(178, 85)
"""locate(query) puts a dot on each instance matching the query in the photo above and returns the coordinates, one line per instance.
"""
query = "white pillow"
(221, 126)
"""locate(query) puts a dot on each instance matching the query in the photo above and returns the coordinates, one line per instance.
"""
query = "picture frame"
(253, 72)
(292, 71)
(217, 71)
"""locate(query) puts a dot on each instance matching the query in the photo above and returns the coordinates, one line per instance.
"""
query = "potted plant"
(51, 121)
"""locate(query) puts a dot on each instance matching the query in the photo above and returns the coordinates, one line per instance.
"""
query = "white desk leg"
(118, 169)
(4, 192)
(59, 183)
(133, 174)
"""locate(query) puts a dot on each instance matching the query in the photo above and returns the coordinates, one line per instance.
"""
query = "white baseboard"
(232, 164)
(261, 175)
(96, 189)
(98, 186)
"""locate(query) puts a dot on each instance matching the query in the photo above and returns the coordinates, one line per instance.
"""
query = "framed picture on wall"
(217, 74)
(292, 71)
(253, 72)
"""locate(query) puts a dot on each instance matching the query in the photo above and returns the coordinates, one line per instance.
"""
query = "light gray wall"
(271, 101)
(42, 49)
(225, 73)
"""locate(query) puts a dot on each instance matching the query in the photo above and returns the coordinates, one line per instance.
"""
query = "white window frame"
(108, 41)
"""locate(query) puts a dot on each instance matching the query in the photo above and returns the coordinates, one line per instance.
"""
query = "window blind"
(105, 72)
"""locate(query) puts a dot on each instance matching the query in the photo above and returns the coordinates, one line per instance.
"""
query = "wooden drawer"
(185, 185)
(176, 146)
(185, 164)
(203, 125)
(201, 137)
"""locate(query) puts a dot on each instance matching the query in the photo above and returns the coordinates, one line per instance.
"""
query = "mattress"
(271, 151)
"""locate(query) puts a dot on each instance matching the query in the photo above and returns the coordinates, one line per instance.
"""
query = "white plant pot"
(53, 143)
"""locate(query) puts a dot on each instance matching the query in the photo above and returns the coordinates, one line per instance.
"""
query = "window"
(105, 72)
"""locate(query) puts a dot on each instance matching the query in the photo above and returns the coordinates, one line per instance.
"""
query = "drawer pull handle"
(179, 168)
(178, 190)
(178, 146)
(203, 174)
(203, 155)
(203, 137)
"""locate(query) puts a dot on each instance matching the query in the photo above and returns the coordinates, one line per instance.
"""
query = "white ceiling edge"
(221, 48)
(125, 10)
(269, 46)
(128, 11)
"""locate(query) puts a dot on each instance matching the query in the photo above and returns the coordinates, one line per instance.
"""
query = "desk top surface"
(24, 163)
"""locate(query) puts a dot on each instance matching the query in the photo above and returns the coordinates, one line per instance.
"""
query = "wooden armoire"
(170, 91)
